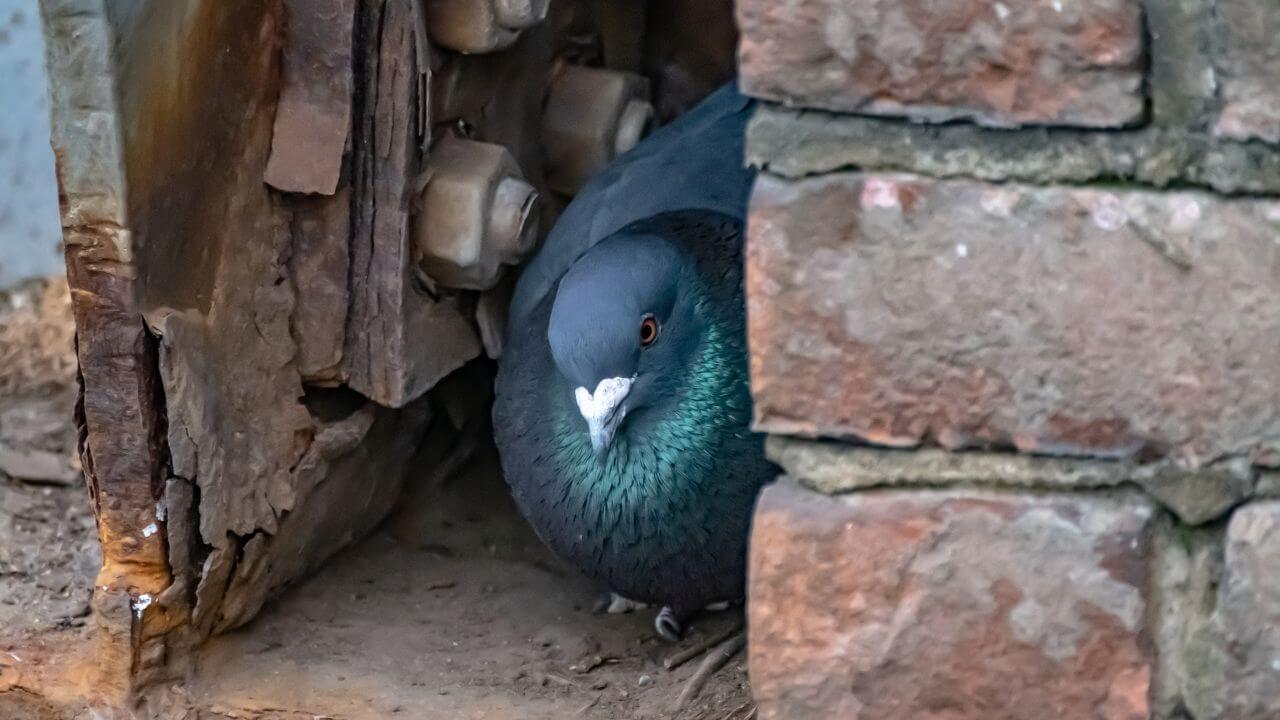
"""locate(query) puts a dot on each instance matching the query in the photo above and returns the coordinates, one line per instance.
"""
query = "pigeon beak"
(603, 410)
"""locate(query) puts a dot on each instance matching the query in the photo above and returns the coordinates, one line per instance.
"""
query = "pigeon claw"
(612, 603)
(667, 626)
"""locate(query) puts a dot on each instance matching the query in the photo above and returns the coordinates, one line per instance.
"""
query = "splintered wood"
(314, 114)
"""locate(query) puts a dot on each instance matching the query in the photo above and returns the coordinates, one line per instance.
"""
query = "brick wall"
(1014, 301)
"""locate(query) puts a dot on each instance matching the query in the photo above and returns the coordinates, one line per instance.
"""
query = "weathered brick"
(1233, 663)
(1074, 62)
(1071, 321)
(1247, 65)
(932, 605)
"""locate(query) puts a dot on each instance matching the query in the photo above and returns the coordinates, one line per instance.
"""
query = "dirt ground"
(48, 544)
(454, 610)
(48, 559)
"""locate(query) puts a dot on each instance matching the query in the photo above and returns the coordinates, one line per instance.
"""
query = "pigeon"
(622, 407)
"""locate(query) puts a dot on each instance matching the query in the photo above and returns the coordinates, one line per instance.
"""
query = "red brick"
(937, 605)
(1067, 62)
(1247, 65)
(1069, 321)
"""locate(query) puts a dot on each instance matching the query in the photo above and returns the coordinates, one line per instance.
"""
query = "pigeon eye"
(648, 330)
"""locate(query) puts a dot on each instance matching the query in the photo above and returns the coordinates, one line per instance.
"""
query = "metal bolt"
(520, 14)
(481, 26)
(478, 214)
(511, 221)
(591, 117)
(635, 121)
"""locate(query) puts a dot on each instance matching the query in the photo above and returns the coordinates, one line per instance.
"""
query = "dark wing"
(695, 162)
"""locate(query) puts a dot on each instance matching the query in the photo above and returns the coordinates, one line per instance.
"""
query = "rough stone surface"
(930, 605)
(795, 143)
(1198, 496)
(1005, 63)
(1180, 80)
(1268, 484)
(1238, 167)
(834, 468)
(1231, 662)
(1071, 321)
(1247, 63)
(1187, 563)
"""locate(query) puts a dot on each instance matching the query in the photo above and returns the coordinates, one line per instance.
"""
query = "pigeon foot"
(668, 625)
(614, 604)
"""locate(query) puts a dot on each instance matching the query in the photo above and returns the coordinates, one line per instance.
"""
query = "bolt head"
(478, 214)
(520, 14)
(590, 117)
(513, 219)
(633, 124)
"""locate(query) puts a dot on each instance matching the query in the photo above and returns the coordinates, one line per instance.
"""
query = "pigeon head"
(623, 329)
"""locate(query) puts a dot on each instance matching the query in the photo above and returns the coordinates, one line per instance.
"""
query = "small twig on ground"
(586, 665)
(715, 660)
(751, 711)
(557, 679)
(583, 710)
(690, 653)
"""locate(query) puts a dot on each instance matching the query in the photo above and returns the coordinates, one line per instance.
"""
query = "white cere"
(962, 250)
(609, 392)
(150, 530)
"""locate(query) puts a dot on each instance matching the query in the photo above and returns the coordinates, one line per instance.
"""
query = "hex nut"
(477, 215)
(481, 26)
(521, 14)
(592, 116)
